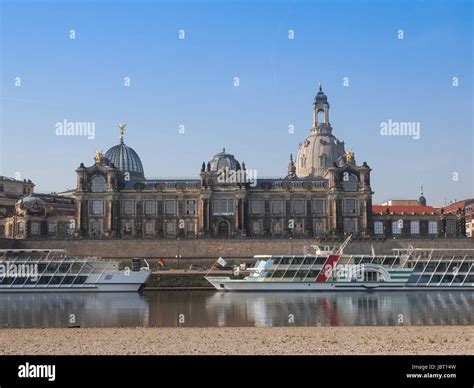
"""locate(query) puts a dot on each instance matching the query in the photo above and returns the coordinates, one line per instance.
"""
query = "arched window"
(98, 184)
(350, 182)
(321, 119)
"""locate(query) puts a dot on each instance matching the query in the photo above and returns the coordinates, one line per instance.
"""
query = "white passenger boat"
(51, 270)
(329, 269)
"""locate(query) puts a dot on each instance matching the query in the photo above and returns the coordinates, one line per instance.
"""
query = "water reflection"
(199, 308)
(88, 309)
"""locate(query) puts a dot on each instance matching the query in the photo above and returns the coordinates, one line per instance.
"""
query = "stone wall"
(213, 248)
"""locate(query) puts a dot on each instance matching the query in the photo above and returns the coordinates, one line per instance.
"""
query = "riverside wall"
(213, 248)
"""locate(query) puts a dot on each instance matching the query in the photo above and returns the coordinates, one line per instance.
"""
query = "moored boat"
(51, 270)
(330, 269)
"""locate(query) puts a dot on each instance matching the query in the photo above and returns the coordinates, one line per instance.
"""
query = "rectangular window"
(298, 229)
(2, 189)
(432, 227)
(450, 227)
(415, 227)
(150, 207)
(297, 185)
(378, 227)
(319, 227)
(350, 226)
(223, 206)
(190, 206)
(170, 228)
(129, 206)
(298, 206)
(350, 206)
(170, 206)
(35, 228)
(97, 207)
(191, 185)
(149, 226)
(397, 227)
(52, 227)
(257, 206)
(190, 228)
(278, 228)
(318, 206)
(276, 206)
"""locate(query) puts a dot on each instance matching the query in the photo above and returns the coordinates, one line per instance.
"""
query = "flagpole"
(213, 265)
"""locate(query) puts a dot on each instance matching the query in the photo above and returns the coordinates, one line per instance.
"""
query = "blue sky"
(190, 82)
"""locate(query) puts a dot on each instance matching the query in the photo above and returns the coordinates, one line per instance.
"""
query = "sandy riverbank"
(252, 340)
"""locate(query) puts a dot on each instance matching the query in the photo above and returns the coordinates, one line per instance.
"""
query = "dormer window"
(323, 161)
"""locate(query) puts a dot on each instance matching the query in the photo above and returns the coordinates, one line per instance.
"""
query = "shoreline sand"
(346, 340)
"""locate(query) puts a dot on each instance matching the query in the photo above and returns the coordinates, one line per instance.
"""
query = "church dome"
(321, 149)
(223, 160)
(125, 158)
(317, 153)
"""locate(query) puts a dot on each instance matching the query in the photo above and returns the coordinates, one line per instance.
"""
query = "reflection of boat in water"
(329, 269)
(343, 309)
(83, 309)
(51, 271)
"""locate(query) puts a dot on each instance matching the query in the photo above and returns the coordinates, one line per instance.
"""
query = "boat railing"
(462, 262)
(79, 272)
(55, 272)
(447, 269)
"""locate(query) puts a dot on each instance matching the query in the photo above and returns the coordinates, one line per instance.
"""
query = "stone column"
(109, 216)
(78, 216)
(236, 213)
(242, 217)
(209, 210)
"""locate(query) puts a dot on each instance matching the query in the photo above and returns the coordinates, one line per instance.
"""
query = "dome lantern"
(321, 111)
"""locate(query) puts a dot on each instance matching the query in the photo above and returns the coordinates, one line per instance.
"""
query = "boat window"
(419, 267)
(308, 260)
(321, 260)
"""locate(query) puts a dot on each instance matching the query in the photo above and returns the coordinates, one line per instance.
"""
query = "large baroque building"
(325, 192)
(25, 214)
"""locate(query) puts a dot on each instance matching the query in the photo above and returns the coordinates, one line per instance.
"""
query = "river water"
(209, 308)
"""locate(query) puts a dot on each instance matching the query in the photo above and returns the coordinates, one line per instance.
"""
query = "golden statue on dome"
(122, 131)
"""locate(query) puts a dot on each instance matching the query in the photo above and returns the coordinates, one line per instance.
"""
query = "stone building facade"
(40, 216)
(325, 192)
